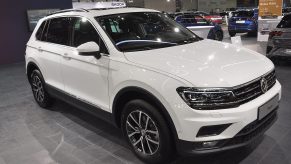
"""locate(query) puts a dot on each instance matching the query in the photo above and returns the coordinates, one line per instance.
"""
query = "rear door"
(54, 42)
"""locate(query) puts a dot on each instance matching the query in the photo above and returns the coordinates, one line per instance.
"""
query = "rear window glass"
(58, 31)
(243, 14)
(39, 32)
(285, 22)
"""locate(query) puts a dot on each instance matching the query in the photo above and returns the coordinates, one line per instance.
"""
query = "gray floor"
(31, 135)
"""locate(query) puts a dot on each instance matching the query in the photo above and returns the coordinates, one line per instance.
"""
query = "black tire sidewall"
(232, 34)
(166, 145)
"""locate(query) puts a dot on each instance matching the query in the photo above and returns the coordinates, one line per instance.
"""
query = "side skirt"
(80, 104)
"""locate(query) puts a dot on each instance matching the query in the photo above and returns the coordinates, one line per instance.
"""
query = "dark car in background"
(286, 10)
(200, 26)
(243, 21)
(279, 43)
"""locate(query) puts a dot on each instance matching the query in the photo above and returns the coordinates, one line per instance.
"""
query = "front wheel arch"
(130, 93)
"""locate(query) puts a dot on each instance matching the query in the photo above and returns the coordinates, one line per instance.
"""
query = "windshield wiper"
(138, 45)
(142, 41)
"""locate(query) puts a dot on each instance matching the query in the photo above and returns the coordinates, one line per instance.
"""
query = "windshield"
(243, 14)
(144, 31)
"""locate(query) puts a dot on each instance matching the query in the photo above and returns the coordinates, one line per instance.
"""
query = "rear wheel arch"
(30, 67)
(130, 93)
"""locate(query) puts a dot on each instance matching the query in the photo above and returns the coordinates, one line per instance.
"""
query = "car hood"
(205, 63)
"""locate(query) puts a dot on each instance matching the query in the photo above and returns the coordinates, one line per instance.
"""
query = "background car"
(213, 18)
(243, 21)
(279, 44)
(286, 10)
(200, 26)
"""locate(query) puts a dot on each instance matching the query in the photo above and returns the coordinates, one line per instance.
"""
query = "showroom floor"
(31, 135)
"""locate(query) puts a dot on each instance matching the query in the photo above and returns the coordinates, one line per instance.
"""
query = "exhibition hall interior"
(145, 82)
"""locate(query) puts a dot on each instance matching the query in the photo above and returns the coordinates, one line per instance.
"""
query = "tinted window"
(83, 32)
(58, 31)
(39, 32)
(285, 23)
(243, 14)
(144, 31)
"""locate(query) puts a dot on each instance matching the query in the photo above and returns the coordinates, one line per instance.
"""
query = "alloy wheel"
(142, 132)
(37, 88)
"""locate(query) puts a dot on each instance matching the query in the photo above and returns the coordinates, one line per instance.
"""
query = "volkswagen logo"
(264, 85)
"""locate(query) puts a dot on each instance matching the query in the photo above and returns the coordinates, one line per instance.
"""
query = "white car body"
(160, 72)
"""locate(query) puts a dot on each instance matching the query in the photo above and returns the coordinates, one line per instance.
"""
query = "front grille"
(252, 90)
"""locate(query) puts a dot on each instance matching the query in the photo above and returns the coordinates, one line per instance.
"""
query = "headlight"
(207, 99)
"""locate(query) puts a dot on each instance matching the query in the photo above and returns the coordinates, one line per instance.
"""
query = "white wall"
(189, 4)
(208, 5)
(161, 5)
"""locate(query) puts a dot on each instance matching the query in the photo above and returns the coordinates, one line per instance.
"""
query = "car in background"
(213, 18)
(279, 43)
(200, 26)
(286, 10)
(243, 21)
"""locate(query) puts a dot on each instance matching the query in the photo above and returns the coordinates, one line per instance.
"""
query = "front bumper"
(245, 137)
(239, 118)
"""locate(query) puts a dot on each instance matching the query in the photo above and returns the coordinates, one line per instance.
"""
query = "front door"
(86, 77)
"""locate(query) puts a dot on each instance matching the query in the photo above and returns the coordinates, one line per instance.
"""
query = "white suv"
(167, 89)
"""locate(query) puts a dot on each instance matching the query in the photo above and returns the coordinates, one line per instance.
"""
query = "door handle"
(40, 49)
(66, 56)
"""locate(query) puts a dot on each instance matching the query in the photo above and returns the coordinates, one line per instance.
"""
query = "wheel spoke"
(149, 146)
(147, 122)
(153, 132)
(129, 124)
(138, 141)
(142, 146)
(152, 141)
(139, 118)
(133, 133)
(134, 120)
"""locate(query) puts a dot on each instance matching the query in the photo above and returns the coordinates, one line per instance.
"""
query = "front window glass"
(144, 31)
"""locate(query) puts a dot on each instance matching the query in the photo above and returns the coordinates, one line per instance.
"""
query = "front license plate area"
(268, 107)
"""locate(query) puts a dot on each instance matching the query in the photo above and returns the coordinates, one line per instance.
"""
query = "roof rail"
(107, 8)
(69, 10)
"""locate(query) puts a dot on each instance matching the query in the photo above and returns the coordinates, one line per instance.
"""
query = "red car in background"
(213, 18)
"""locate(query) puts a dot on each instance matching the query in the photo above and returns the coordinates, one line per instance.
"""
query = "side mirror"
(89, 49)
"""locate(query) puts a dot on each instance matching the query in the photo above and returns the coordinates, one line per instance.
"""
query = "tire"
(232, 34)
(218, 36)
(151, 142)
(38, 89)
